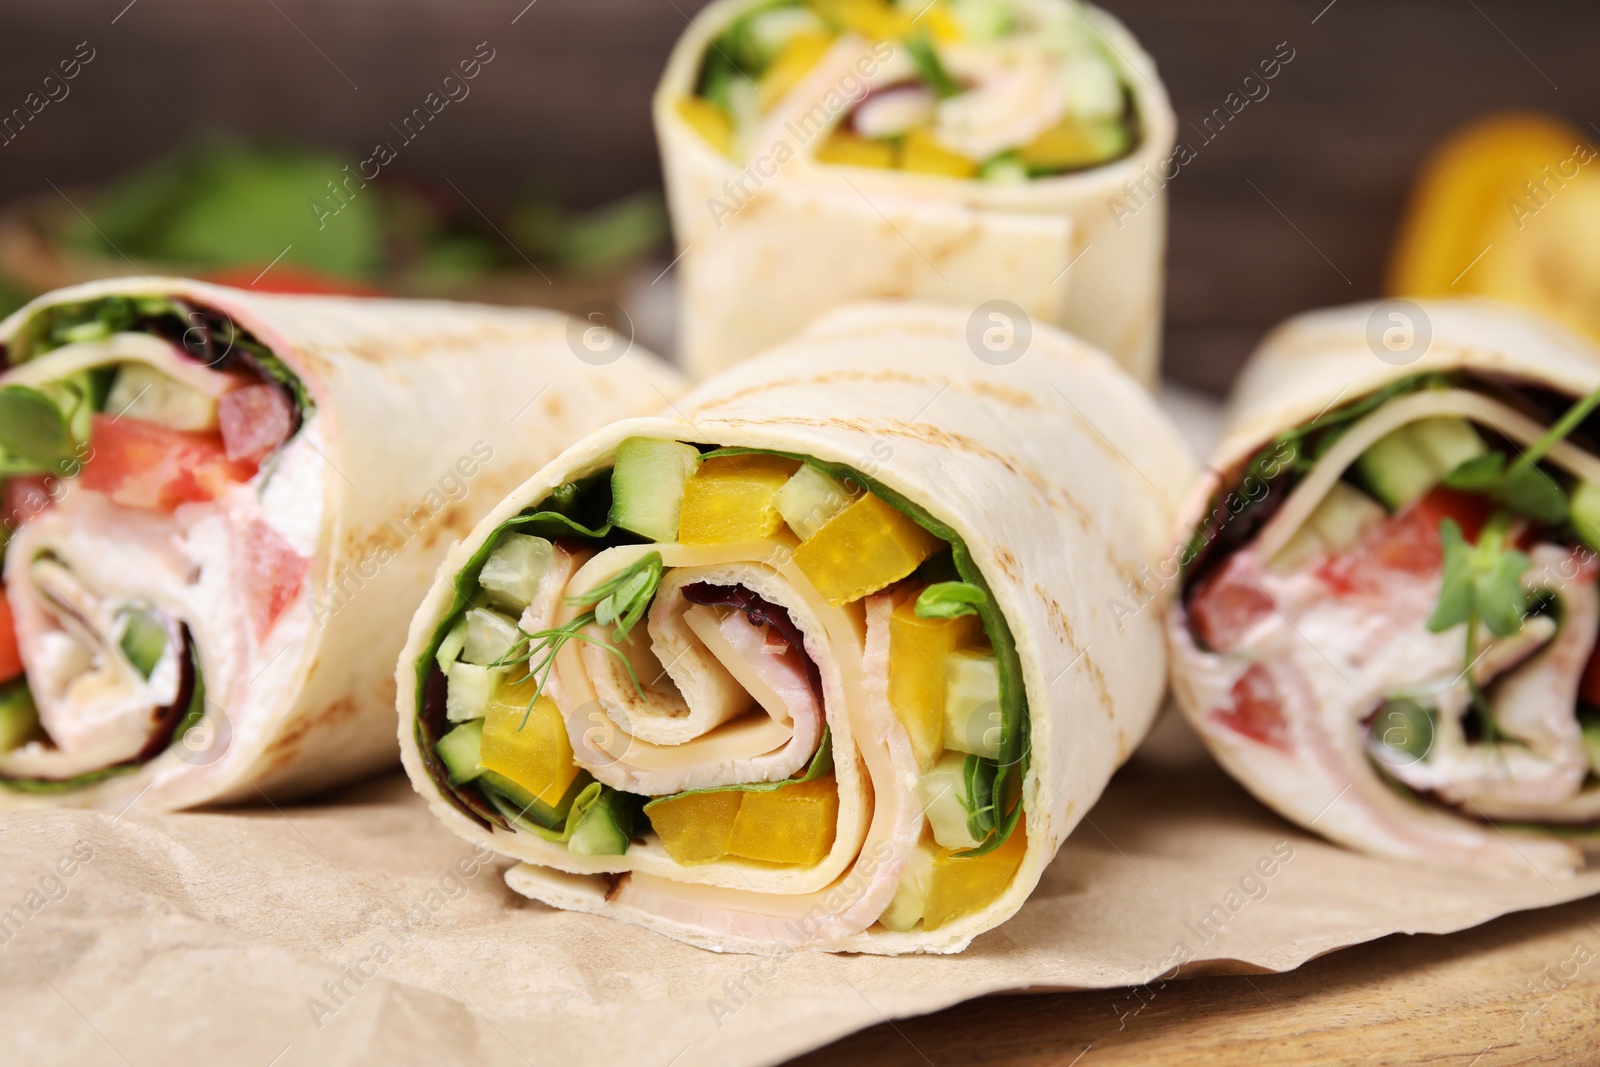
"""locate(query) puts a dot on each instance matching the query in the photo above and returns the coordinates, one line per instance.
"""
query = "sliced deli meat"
(810, 662)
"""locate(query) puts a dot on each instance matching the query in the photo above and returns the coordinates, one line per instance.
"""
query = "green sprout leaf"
(950, 600)
(623, 598)
(1482, 582)
(929, 69)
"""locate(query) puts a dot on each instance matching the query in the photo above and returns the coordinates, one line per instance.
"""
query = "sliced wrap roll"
(828, 658)
(957, 151)
(221, 507)
(1389, 610)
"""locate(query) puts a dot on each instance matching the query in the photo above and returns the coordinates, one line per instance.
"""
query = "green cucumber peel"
(949, 600)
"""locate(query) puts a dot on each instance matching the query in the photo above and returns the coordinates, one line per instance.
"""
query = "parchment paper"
(358, 930)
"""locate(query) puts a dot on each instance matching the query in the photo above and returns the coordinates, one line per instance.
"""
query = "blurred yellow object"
(709, 121)
(790, 65)
(865, 547)
(961, 885)
(793, 824)
(875, 20)
(921, 152)
(1508, 207)
(847, 148)
(730, 498)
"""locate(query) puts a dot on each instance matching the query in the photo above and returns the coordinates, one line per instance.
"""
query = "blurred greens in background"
(225, 209)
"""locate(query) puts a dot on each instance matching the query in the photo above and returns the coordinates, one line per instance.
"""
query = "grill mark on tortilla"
(829, 378)
(1005, 394)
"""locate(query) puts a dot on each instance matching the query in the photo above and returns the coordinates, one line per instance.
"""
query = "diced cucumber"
(1305, 546)
(1345, 516)
(470, 686)
(1405, 463)
(530, 806)
(942, 790)
(983, 20)
(605, 828)
(1585, 513)
(143, 641)
(511, 573)
(19, 719)
(490, 635)
(142, 392)
(1004, 169)
(810, 498)
(459, 751)
(767, 32)
(972, 703)
(647, 485)
(911, 895)
(450, 648)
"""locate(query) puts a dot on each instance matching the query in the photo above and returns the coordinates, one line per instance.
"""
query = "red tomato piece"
(1407, 542)
(1226, 605)
(25, 496)
(1254, 709)
(142, 465)
(271, 571)
(254, 420)
(10, 654)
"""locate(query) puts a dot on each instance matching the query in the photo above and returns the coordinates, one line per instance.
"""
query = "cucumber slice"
(1345, 516)
(972, 703)
(943, 791)
(144, 640)
(19, 719)
(142, 392)
(767, 32)
(1585, 513)
(530, 806)
(459, 750)
(1404, 464)
(810, 498)
(605, 828)
(450, 648)
(511, 573)
(911, 895)
(647, 485)
(470, 686)
(490, 635)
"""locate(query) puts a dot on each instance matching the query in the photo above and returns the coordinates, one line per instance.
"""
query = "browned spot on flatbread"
(1004, 394)
(836, 377)
(1006, 560)
(1057, 617)
(286, 746)
(453, 521)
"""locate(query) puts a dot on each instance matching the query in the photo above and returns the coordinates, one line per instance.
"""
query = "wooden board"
(1523, 989)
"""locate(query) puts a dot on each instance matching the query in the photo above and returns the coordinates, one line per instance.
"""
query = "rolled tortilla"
(771, 235)
(221, 507)
(766, 679)
(1313, 648)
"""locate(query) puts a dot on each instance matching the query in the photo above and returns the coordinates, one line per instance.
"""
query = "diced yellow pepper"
(1071, 144)
(843, 147)
(795, 61)
(709, 121)
(865, 547)
(962, 885)
(730, 498)
(695, 828)
(535, 756)
(941, 23)
(877, 20)
(922, 153)
(917, 648)
(793, 824)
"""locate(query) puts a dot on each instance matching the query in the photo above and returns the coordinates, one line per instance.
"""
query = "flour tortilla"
(403, 391)
(815, 236)
(1058, 472)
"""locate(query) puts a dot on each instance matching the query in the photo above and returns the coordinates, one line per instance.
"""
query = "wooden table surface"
(1523, 989)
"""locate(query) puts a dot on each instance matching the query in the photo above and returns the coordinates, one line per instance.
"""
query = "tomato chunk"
(1226, 605)
(254, 420)
(10, 654)
(141, 465)
(25, 496)
(1254, 709)
(271, 571)
(1406, 543)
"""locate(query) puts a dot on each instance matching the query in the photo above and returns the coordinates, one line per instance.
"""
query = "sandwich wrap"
(829, 657)
(222, 507)
(1388, 611)
(959, 152)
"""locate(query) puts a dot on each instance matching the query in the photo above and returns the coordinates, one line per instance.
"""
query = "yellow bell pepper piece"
(941, 23)
(695, 828)
(1071, 144)
(917, 649)
(794, 62)
(843, 147)
(865, 547)
(922, 153)
(709, 121)
(793, 824)
(1508, 207)
(536, 755)
(730, 498)
(876, 20)
(962, 885)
